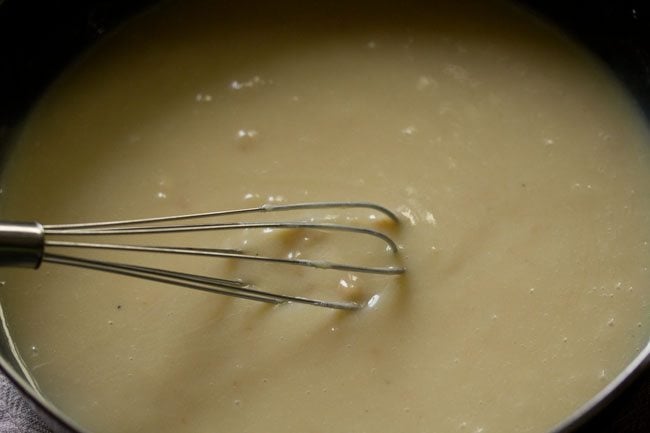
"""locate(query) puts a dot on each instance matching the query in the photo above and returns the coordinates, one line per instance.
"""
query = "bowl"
(38, 39)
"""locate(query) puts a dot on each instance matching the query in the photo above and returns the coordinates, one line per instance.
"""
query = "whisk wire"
(319, 264)
(268, 207)
(28, 244)
(228, 226)
(197, 282)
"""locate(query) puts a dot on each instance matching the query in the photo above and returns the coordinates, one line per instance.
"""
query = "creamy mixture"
(519, 168)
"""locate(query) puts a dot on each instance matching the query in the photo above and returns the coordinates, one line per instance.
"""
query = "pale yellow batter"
(520, 170)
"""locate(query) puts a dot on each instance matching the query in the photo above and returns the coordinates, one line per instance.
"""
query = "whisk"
(28, 244)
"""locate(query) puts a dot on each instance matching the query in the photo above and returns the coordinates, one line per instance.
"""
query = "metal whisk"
(28, 244)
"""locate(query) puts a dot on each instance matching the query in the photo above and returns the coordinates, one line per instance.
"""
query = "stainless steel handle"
(21, 244)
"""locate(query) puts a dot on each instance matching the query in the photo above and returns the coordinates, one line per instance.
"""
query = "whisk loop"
(27, 244)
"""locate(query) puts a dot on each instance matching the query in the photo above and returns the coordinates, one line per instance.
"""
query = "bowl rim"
(49, 413)
(58, 420)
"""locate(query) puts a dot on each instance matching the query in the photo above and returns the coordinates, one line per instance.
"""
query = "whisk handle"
(21, 244)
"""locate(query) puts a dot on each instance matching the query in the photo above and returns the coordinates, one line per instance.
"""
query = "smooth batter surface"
(519, 167)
